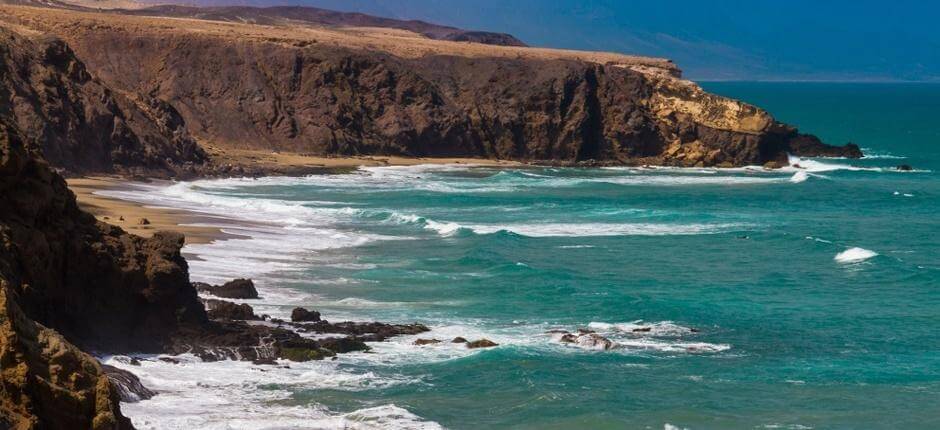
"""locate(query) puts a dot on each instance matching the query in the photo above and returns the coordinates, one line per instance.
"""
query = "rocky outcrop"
(81, 125)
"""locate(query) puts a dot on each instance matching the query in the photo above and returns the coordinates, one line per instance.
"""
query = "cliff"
(339, 91)
(81, 125)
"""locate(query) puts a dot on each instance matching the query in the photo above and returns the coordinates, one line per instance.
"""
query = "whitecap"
(854, 255)
(800, 176)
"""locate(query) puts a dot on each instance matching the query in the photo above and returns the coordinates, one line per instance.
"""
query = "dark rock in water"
(235, 289)
(905, 167)
(221, 309)
(127, 384)
(342, 345)
(170, 360)
(420, 342)
(774, 164)
(585, 331)
(303, 315)
(568, 338)
(303, 350)
(642, 329)
(482, 343)
(459, 339)
(266, 361)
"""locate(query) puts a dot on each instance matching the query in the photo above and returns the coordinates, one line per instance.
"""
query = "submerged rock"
(481, 343)
(904, 167)
(420, 342)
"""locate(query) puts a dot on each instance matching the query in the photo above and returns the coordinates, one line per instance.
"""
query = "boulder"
(223, 310)
(303, 315)
(420, 342)
(128, 386)
(459, 339)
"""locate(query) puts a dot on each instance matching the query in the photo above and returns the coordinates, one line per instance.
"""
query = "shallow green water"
(786, 336)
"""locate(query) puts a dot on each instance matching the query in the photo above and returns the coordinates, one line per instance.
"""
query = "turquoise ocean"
(737, 298)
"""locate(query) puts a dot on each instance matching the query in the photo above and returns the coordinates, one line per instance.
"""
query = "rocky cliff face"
(46, 381)
(332, 100)
(81, 125)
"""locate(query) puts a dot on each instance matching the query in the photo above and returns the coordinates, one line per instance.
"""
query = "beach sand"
(112, 210)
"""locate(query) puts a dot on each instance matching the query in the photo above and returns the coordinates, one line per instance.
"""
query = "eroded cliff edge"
(323, 91)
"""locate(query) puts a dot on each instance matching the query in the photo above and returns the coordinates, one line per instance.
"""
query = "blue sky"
(861, 40)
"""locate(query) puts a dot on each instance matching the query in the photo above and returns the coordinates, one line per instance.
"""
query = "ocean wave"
(798, 177)
(876, 154)
(855, 255)
(451, 228)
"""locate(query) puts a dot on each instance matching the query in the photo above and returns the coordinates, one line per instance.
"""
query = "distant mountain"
(284, 15)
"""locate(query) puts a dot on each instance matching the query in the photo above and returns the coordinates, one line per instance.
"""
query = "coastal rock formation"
(332, 92)
(81, 125)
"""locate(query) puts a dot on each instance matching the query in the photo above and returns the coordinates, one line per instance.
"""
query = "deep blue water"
(785, 334)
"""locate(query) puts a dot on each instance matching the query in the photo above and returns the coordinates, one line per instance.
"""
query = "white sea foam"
(855, 255)
(227, 394)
